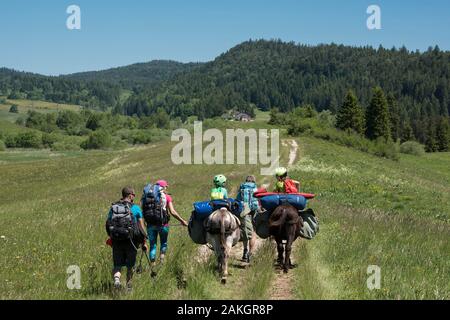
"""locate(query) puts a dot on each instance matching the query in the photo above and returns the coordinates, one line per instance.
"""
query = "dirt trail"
(282, 283)
(293, 153)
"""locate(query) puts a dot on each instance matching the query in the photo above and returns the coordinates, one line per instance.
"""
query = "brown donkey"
(285, 224)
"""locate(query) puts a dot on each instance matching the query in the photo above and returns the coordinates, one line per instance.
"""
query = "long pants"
(153, 232)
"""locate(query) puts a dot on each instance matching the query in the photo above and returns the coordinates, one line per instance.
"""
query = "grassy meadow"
(373, 211)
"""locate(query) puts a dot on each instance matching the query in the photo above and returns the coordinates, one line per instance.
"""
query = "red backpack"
(289, 186)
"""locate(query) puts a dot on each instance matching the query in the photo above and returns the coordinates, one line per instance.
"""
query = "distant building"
(243, 117)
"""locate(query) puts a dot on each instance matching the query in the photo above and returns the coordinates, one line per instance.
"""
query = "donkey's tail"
(276, 225)
(222, 228)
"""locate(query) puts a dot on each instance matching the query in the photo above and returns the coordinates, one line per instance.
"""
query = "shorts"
(124, 254)
(246, 227)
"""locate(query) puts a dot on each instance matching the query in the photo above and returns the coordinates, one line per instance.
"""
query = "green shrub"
(412, 147)
(48, 139)
(385, 149)
(326, 119)
(2, 146)
(306, 111)
(14, 108)
(94, 121)
(28, 139)
(277, 118)
(97, 140)
(10, 141)
(70, 121)
(20, 121)
(139, 136)
(297, 128)
(41, 121)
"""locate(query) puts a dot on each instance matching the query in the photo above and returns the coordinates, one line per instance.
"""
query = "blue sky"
(34, 36)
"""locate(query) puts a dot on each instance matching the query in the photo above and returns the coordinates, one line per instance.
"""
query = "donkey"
(222, 233)
(285, 224)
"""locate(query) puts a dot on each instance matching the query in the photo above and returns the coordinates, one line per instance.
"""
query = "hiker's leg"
(131, 261)
(249, 232)
(152, 233)
(252, 243)
(119, 260)
(243, 237)
(129, 274)
(163, 237)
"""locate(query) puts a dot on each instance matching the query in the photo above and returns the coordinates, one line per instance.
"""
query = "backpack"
(261, 224)
(121, 225)
(154, 206)
(289, 186)
(196, 229)
(310, 224)
(246, 195)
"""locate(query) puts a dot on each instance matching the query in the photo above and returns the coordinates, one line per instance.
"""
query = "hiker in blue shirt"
(122, 217)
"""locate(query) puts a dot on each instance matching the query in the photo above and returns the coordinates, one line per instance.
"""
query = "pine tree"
(394, 117)
(377, 116)
(442, 135)
(407, 132)
(430, 141)
(350, 115)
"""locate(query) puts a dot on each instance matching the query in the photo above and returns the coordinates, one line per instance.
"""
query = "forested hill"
(285, 75)
(96, 89)
(258, 74)
(137, 74)
(92, 94)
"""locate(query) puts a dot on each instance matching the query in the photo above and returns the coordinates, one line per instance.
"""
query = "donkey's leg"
(225, 267)
(287, 258)
(280, 249)
(227, 251)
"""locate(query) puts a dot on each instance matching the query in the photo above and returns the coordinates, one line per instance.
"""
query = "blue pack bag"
(271, 202)
(204, 209)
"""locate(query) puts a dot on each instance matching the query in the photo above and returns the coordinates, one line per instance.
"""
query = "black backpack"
(153, 211)
(121, 225)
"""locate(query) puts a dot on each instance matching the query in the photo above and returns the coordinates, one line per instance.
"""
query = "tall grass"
(374, 212)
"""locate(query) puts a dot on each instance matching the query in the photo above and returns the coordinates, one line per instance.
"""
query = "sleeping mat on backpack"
(271, 202)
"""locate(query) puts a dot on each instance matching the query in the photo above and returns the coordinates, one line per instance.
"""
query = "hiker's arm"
(144, 244)
(141, 222)
(176, 215)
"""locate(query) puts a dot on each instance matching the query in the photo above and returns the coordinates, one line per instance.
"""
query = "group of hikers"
(126, 220)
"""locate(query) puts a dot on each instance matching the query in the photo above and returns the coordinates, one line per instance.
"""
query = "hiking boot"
(139, 270)
(129, 287)
(117, 284)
